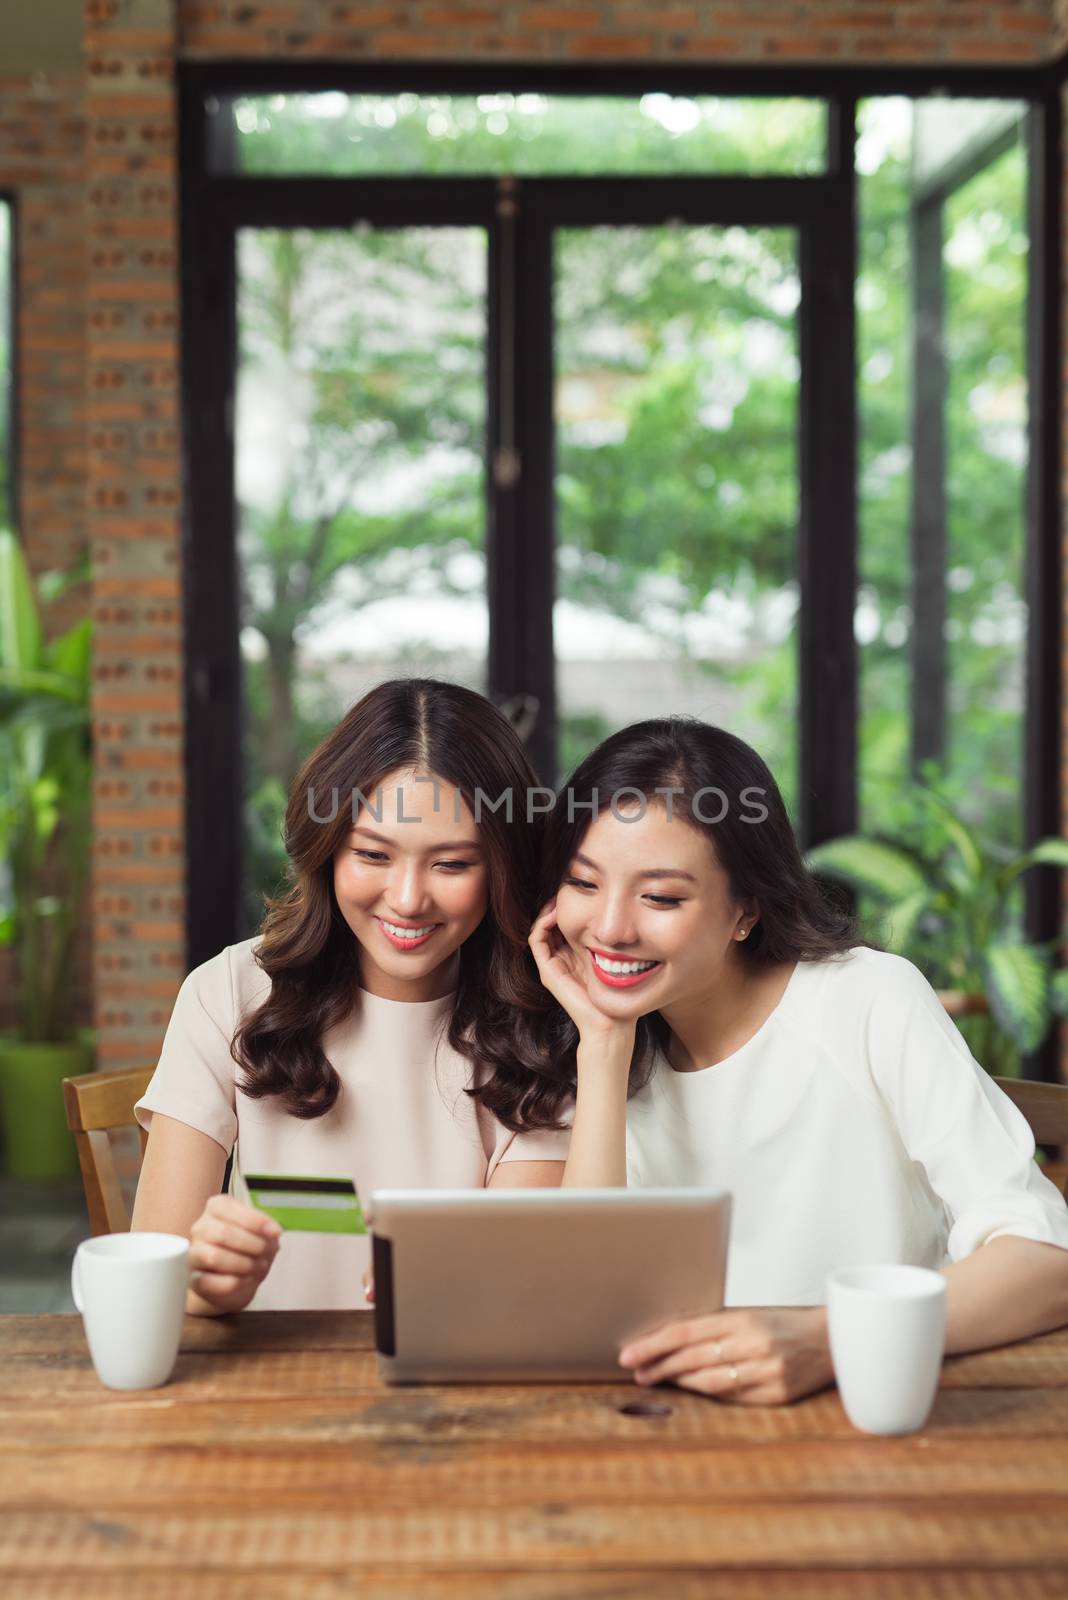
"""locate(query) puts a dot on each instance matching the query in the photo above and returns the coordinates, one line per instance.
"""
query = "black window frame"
(520, 569)
(10, 313)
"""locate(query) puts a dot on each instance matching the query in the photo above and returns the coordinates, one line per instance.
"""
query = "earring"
(743, 933)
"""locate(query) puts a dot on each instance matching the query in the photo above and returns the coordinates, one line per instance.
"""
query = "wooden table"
(275, 1464)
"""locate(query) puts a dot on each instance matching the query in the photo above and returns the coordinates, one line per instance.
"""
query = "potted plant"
(950, 901)
(45, 782)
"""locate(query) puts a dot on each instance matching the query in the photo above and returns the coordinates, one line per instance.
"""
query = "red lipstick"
(399, 943)
(628, 980)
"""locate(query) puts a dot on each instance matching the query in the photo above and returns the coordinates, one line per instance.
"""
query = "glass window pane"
(884, 366)
(962, 167)
(359, 456)
(943, 264)
(676, 417)
(985, 259)
(522, 134)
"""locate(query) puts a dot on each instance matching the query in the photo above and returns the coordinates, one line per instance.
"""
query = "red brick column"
(133, 522)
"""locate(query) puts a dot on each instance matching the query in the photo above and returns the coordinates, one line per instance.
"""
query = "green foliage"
(327, 320)
(1016, 979)
(676, 450)
(949, 899)
(527, 134)
(45, 775)
(579, 734)
(985, 264)
(694, 430)
(871, 867)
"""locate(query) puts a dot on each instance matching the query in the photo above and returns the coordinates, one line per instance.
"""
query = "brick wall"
(131, 339)
(624, 30)
(42, 155)
(133, 506)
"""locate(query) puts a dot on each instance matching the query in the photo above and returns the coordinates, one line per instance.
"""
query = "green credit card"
(307, 1205)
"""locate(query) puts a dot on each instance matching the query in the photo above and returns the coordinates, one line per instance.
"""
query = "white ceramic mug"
(130, 1289)
(887, 1329)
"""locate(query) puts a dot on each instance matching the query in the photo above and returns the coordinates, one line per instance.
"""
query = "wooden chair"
(95, 1102)
(963, 1003)
(1045, 1105)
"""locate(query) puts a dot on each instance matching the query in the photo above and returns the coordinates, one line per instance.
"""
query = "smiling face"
(648, 910)
(412, 884)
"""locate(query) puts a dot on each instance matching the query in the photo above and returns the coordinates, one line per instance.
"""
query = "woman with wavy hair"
(366, 1032)
(728, 1029)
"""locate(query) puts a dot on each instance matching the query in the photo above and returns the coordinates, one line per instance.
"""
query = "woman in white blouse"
(727, 1028)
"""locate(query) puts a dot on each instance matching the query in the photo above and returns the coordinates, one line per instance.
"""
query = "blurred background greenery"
(361, 439)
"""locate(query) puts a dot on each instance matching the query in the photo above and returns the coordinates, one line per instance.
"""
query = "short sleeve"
(194, 1078)
(974, 1145)
(542, 1144)
(539, 1144)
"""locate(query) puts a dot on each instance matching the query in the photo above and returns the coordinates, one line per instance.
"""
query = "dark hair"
(707, 771)
(309, 951)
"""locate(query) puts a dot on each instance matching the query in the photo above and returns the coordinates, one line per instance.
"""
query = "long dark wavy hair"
(308, 950)
(699, 762)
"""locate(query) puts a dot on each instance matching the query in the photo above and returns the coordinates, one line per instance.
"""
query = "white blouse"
(854, 1126)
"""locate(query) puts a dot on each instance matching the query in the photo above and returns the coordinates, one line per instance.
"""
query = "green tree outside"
(679, 484)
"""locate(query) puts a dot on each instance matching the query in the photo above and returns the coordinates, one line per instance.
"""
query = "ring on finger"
(733, 1371)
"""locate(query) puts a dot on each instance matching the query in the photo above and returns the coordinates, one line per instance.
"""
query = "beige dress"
(401, 1120)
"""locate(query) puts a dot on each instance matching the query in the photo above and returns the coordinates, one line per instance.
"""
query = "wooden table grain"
(276, 1464)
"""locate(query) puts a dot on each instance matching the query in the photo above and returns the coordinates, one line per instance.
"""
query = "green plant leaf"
(902, 921)
(41, 713)
(957, 831)
(1047, 853)
(71, 654)
(16, 682)
(20, 626)
(45, 804)
(1018, 988)
(867, 864)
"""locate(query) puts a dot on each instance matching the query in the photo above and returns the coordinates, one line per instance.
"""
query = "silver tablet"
(514, 1285)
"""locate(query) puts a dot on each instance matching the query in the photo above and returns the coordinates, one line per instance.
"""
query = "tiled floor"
(41, 1226)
